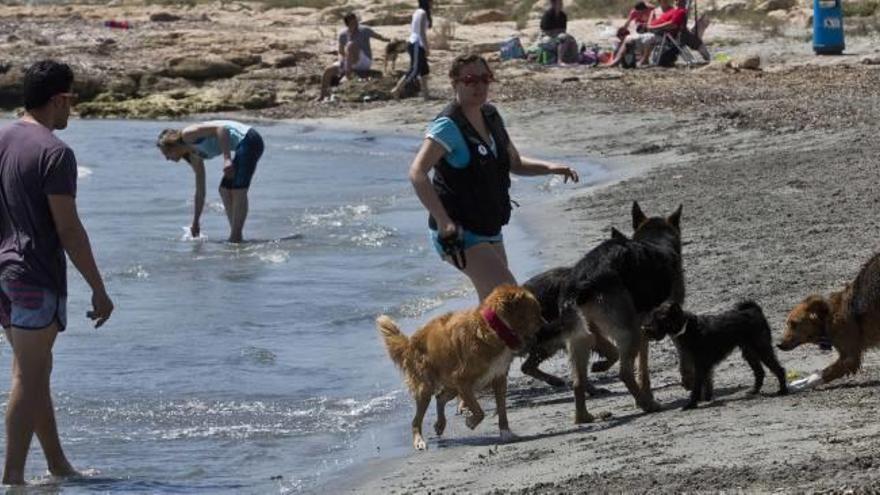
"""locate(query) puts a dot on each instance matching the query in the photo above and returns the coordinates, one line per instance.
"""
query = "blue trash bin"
(828, 27)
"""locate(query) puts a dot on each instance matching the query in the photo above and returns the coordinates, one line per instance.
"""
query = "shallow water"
(252, 368)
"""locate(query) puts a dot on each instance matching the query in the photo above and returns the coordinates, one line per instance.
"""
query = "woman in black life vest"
(472, 158)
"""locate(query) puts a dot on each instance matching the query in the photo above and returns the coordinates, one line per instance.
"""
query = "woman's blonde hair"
(169, 138)
(173, 137)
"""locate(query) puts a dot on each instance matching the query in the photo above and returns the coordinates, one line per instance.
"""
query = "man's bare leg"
(30, 404)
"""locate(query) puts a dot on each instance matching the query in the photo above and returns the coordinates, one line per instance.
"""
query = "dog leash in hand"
(453, 246)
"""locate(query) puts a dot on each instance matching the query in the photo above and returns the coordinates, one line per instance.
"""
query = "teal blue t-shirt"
(209, 147)
(445, 132)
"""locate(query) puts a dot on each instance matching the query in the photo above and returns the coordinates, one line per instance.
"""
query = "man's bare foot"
(64, 471)
(13, 479)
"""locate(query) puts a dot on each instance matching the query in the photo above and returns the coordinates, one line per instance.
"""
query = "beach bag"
(547, 50)
(568, 49)
(668, 56)
(512, 48)
(629, 58)
(589, 56)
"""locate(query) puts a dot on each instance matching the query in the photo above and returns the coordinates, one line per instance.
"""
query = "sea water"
(252, 368)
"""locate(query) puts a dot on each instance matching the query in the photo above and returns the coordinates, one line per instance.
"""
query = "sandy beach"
(776, 171)
(771, 214)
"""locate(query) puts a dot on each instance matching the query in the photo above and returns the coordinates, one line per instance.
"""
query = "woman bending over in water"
(241, 147)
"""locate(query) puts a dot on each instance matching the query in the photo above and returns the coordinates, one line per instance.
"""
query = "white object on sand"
(806, 383)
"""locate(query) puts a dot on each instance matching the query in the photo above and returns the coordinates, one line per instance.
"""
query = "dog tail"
(396, 342)
(749, 304)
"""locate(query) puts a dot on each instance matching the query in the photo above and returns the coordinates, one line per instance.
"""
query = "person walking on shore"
(241, 147)
(38, 224)
(472, 157)
(418, 51)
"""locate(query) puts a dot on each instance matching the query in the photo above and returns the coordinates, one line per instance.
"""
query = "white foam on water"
(83, 172)
(276, 256)
(374, 237)
(136, 271)
(224, 419)
(188, 237)
(339, 216)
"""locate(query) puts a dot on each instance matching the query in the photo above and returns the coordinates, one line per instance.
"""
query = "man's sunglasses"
(472, 79)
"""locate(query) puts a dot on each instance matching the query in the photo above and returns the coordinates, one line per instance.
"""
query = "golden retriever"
(848, 320)
(460, 353)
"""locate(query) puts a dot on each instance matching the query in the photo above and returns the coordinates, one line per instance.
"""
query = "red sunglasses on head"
(471, 79)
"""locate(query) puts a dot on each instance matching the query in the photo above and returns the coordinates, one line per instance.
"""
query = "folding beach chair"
(672, 43)
(669, 49)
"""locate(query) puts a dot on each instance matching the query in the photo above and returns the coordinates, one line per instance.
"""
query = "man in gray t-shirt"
(355, 53)
(38, 225)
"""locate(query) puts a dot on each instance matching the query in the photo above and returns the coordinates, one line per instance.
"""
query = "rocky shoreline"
(174, 60)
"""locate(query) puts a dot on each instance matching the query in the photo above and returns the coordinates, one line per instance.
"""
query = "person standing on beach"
(418, 50)
(241, 147)
(355, 53)
(38, 224)
(472, 157)
(554, 21)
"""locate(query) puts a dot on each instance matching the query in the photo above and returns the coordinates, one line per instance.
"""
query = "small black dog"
(708, 339)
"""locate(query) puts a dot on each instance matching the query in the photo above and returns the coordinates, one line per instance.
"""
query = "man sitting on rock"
(355, 54)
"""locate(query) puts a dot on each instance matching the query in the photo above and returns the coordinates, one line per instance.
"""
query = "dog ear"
(618, 235)
(817, 308)
(637, 215)
(675, 218)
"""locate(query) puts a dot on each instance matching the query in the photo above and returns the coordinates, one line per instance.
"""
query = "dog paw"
(508, 436)
(473, 420)
(689, 406)
(598, 392)
(419, 443)
(650, 407)
(600, 366)
(439, 427)
(583, 418)
(557, 382)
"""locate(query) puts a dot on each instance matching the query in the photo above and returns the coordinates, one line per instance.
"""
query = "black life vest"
(476, 196)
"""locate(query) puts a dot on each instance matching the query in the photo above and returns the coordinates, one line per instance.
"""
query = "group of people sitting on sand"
(645, 28)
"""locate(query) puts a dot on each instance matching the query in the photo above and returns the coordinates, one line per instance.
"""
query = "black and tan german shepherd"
(608, 293)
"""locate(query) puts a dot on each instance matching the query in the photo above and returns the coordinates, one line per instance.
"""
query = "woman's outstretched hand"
(567, 172)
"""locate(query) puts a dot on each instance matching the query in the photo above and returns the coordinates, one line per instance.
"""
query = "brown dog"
(460, 353)
(394, 48)
(848, 320)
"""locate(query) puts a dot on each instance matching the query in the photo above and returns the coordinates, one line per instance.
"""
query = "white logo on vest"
(482, 150)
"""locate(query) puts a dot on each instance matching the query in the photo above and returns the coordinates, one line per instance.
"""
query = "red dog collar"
(504, 332)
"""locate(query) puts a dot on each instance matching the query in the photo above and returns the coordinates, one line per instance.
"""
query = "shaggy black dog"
(610, 291)
(708, 339)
